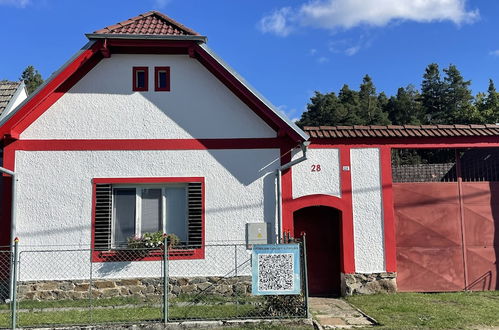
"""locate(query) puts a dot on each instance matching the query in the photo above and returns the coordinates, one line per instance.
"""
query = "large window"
(130, 207)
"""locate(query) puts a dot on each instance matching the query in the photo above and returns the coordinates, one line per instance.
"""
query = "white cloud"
(494, 52)
(350, 51)
(350, 47)
(334, 14)
(16, 3)
(322, 60)
(277, 22)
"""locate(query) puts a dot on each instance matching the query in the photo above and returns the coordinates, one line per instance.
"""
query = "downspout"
(13, 221)
(279, 171)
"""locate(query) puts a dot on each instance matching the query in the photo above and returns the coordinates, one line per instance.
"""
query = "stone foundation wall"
(137, 287)
(369, 283)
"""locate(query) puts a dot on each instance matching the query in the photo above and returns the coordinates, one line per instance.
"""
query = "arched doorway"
(322, 226)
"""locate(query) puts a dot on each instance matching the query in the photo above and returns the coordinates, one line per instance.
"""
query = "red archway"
(347, 262)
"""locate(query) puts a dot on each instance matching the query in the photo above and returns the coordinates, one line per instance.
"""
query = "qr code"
(275, 272)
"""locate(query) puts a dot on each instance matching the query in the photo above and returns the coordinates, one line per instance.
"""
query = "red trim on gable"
(51, 92)
(135, 72)
(157, 70)
(388, 211)
(74, 71)
(174, 254)
(244, 94)
(155, 144)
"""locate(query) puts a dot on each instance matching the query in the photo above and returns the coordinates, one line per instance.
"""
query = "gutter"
(92, 36)
(304, 145)
(12, 223)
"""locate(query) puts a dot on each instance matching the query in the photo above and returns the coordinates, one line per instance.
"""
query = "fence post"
(304, 246)
(14, 285)
(165, 278)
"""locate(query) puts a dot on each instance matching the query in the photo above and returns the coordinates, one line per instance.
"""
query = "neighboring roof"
(7, 91)
(151, 24)
(395, 131)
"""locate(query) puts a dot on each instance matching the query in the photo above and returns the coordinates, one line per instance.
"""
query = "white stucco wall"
(367, 210)
(102, 105)
(55, 204)
(309, 180)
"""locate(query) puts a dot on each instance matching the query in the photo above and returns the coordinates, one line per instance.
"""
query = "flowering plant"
(152, 240)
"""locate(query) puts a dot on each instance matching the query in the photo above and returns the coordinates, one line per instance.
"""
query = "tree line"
(32, 78)
(445, 97)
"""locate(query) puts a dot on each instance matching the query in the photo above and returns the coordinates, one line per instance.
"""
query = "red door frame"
(343, 204)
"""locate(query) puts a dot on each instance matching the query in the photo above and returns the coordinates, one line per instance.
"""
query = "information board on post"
(276, 269)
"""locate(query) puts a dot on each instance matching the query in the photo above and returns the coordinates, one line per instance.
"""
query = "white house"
(146, 129)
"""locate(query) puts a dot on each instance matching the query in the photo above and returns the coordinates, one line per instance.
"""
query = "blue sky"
(285, 48)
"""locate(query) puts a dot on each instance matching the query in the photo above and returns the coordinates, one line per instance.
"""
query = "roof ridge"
(136, 19)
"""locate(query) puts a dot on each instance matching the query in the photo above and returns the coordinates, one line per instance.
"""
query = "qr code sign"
(275, 272)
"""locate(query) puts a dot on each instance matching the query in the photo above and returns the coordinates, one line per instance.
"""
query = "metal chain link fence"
(5, 283)
(74, 286)
(220, 286)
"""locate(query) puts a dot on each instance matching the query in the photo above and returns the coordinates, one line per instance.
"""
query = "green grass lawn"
(458, 310)
(126, 310)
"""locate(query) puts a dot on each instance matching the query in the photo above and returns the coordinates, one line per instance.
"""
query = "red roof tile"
(416, 131)
(150, 23)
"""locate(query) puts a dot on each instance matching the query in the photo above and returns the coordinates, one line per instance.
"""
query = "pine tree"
(369, 104)
(458, 99)
(432, 95)
(405, 108)
(32, 78)
(488, 104)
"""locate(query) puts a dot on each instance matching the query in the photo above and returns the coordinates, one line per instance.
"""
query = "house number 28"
(316, 168)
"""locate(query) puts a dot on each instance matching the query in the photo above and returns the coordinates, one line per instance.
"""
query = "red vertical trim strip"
(6, 202)
(388, 211)
(347, 234)
(94, 202)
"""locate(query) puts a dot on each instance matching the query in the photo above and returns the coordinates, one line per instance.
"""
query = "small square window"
(140, 78)
(162, 78)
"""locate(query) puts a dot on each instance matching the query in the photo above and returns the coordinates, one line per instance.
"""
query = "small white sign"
(346, 168)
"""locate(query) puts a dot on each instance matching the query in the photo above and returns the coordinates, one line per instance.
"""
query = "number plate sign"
(276, 269)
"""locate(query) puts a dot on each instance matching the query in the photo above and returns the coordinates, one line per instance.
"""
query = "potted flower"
(151, 241)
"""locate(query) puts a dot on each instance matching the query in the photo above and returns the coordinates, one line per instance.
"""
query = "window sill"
(150, 255)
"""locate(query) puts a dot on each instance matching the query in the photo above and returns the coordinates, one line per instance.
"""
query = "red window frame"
(173, 254)
(136, 69)
(157, 70)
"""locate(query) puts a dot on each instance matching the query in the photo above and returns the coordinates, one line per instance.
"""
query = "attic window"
(140, 78)
(162, 78)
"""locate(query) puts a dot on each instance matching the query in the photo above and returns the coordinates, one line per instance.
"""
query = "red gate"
(446, 224)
